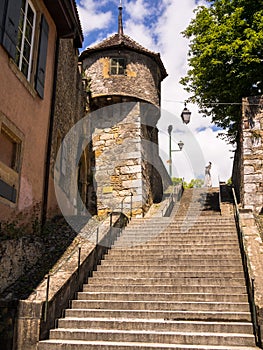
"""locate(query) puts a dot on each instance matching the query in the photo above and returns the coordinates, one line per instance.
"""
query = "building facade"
(30, 31)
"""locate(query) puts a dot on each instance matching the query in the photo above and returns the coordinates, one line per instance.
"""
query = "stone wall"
(252, 154)
(142, 78)
(254, 250)
(117, 146)
(126, 157)
(17, 256)
(70, 107)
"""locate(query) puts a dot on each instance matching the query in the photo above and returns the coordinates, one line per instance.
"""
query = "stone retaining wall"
(252, 154)
(17, 256)
(254, 249)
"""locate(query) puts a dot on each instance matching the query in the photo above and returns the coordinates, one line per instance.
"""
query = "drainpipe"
(49, 139)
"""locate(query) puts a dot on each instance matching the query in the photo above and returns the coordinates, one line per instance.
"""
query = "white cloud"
(135, 26)
(92, 17)
(140, 9)
(140, 33)
(218, 152)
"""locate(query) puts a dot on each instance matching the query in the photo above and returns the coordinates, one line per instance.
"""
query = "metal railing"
(106, 239)
(174, 197)
(219, 196)
(249, 281)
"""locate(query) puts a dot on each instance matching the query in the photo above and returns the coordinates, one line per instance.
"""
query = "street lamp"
(185, 115)
(180, 145)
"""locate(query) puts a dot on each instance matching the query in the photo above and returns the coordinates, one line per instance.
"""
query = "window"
(10, 161)
(9, 148)
(26, 30)
(18, 35)
(117, 66)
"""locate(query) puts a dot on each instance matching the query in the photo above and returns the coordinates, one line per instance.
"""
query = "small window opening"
(117, 66)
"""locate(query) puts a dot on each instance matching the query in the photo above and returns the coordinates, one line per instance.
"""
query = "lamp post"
(185, 115)
(180, 145)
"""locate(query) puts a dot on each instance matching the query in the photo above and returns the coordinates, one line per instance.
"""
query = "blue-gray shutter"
(42, 57)
(2, 17)
(11, 26)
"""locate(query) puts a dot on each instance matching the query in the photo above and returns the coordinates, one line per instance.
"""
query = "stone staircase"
(167, 283)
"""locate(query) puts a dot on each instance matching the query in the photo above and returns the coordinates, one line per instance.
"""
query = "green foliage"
(229, 181)
(225, 59)
(194, 183)
(177, 180)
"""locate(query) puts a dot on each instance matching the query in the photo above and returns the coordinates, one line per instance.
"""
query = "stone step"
(181, 236)
(173, 258)
(155, 325)
(155, 241)
(170, 274)
(187, 315)
(110, 345)
(181, 230)
(166, 267)
(191, 229)
(228, 249)
(181, 289)
(151, 296)
(197, 259)
(178, 260)
(175, 245)
(153, 337)
(195, 223)
(153, 254)
(180, 233)
(161, 305)
(168, 281)
(178, 219)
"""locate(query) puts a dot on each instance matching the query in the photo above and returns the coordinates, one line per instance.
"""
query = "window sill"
(22, 78)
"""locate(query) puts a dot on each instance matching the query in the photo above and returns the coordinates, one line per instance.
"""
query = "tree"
(225, 59)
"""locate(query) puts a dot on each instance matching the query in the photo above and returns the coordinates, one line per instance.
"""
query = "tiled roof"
(124, 41)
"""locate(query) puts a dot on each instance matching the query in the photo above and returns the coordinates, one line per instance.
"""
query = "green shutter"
(42, 58)
(11, 26)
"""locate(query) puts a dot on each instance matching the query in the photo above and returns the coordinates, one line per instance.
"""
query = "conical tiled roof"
(124, 41)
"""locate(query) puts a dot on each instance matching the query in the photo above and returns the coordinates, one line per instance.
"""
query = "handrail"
(249, 281)
(219, 196)
(176, 192)
(95, 233)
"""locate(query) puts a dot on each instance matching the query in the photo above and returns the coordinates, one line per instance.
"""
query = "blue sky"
(157, 25)
(107, 13)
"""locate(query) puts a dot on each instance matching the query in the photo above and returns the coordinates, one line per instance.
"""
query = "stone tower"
(125, 80)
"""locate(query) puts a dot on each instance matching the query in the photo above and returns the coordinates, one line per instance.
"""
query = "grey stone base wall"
(252, 156)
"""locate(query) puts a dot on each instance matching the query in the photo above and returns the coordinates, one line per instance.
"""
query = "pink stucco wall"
(20, 104)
